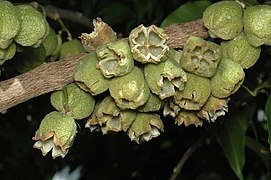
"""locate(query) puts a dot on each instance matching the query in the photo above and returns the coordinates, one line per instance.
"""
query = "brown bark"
(41, 80)
(51, 76)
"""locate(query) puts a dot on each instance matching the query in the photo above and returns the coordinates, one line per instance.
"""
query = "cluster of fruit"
(135, 79)
(25, 35)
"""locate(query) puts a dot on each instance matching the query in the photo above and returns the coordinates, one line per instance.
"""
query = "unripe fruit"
(8, 53)
(257, 25)
(223, 19)
(34, 26)
(71, 48)
(9, 23)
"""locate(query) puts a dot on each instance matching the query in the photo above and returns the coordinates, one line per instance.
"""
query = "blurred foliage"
(113, 156)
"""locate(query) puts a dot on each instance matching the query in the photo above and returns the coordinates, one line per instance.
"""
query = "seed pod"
(228, 78)
(240, 51)
(213, 108)
(56, 132)
(102, 34)
(165, 78)
(188, 118)
(130, 91)
(223, 19)
(71, 48)
(34, 26)
(8, 53)
(29, 58)
(88, 77)
(110, 117)
(148, 44)
(9, 24)
(115, 59)
(171, 108)
(73, 101)
(200, 57)
(257, 24)
(195, 94)
(145, 127)
(175, 55)
(154, 103)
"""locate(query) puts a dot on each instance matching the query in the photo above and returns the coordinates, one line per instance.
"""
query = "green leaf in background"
(268, 114)
(260, 150)
(231, 138)
(189, 11)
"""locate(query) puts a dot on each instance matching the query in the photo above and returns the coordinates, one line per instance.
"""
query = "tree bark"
(51, 76)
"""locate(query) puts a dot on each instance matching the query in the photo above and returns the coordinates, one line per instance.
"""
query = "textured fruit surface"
(33, 26)
(50, 42)
(88, 77)
(9, 23)
(73, 101)
(71, 48)
(8, 53)
(200, 57)
(240, 51)
(229, 77)
(257, 25)
(223, 19)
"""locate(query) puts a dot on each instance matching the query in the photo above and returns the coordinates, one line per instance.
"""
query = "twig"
(177, 170)
(77, 17)
(48, 77)
(41, 80)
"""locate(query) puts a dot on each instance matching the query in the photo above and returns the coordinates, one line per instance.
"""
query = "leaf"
(260, 151)
(231, 138)
(189, 11)
(268, 114)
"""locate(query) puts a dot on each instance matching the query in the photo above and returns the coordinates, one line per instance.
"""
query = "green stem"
(64, 29)
(252, 93)
(65, 98)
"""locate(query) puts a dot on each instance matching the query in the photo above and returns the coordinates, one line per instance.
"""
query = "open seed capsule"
(154, 103)
(188, 118)
(130, 91)
(148, 44)
(115, 58)
(88, 77)
(195, 94)
(145, 127)
(165, 78)
(56, 132)
(200, 57)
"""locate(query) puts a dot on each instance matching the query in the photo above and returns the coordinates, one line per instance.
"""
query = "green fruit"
(188, 118)
(56, 132)
(50, 42)
(130, 91)
(200, 57)
(145, 127)
(223, 19)
(165, 78)
(195, 94)
(9, 23)
(228, 78)
(30, 58)
(73, 101)
(257, 25)
(71, 48)
(88, 77)
(34, 26)
(6, 54)
(240, 51)
(115, 58)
